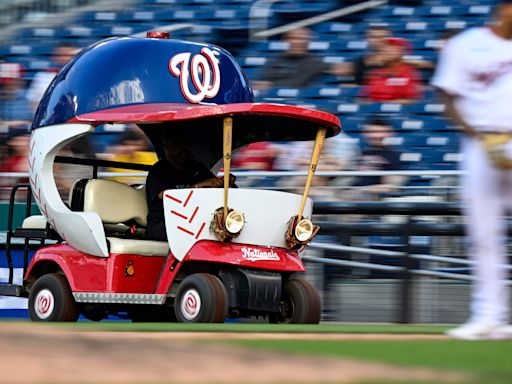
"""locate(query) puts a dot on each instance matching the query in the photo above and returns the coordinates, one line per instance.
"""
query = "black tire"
(50, 299)
(201, 298)
(300, 304)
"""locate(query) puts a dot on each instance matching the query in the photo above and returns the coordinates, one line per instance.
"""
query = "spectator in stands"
(17, 146)
(340, 153)
(396, 81)
(61, 55)
(15, 159)
(256, 157)
(4, 149)
(376, 155)
(371, 59)
(374, 57)
(295, 67)
(14, 107)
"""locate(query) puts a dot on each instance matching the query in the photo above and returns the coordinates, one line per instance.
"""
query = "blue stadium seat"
(351, 124)
(321, 92)
(348, 108)
(419, 25)
(319, 46)
(426, 108)
(79, 31)
(138, 15)
(253, 61)
(477, 10)
(415, 160)
(334, 28)
(401, 12)
(99, 16)
(37, 33)
(281, 92)
(351, 45)
(380, 108)
(409, 124)
(444, 160)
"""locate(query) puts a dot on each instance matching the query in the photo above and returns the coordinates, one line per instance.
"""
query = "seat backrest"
(114, 202)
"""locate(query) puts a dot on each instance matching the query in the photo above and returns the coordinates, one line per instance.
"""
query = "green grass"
(488, 361)
(251, 328)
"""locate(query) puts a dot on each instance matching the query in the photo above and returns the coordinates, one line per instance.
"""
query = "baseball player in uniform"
(475, 75)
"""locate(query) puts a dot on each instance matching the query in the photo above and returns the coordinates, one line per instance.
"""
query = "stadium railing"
(390, 230)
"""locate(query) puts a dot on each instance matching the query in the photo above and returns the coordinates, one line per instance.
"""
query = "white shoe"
(503, 332)
(478, 331)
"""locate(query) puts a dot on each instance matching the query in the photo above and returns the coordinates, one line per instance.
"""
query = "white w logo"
(207, 65)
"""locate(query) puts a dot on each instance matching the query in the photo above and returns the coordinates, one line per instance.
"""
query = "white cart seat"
(138, 247)
(34, 222)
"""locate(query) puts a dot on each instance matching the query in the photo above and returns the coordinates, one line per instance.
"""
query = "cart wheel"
(50, 299)
(201, 298)
(300, 303)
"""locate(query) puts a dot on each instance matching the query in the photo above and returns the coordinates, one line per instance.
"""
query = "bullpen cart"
(231, 252)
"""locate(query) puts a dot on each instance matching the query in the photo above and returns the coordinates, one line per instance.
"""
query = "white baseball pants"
(487, 193)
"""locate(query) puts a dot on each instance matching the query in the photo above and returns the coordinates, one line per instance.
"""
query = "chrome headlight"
(304, 230)
(235, 222)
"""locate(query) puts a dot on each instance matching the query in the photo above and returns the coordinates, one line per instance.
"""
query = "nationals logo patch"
(204, 69)
(254, 254)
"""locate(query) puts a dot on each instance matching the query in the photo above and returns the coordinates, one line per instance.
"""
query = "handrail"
(391, 268)
(382, 252)
(101, 163)
(388, 208)
(259, 14)
(321, 18)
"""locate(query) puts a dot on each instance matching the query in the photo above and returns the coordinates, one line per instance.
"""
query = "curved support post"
(82, 230)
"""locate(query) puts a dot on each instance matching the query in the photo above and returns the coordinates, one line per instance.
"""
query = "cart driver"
(177, 170)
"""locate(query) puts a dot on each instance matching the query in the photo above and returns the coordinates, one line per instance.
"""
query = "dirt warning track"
(33, 354)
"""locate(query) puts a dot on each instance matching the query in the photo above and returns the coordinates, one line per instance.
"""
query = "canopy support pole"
(228, 138)
(315, 155)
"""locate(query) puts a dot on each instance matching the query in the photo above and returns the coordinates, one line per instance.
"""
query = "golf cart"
(231, 252)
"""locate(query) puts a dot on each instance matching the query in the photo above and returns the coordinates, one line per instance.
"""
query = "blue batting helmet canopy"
(123, 72)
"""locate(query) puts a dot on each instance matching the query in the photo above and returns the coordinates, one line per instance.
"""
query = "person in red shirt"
(256, 157)
(397, 81)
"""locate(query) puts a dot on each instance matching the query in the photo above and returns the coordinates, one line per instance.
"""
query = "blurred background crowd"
(371, 68)
(368, 62)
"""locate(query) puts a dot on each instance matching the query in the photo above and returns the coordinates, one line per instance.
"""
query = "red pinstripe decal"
(200, 230)
(185, 230)
(188, 198)
(179, 215)
(193, 215)
(173, 198)
(31, 163)
(37, 194)
(45, 210)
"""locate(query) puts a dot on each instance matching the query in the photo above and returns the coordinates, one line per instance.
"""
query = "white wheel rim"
(191, 304)
(44, 303)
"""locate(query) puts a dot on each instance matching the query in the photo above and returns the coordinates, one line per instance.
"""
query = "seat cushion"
(34, 222)
(115, 202)
(138, 247)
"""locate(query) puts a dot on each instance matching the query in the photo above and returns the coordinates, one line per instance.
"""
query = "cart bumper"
(253, 290)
